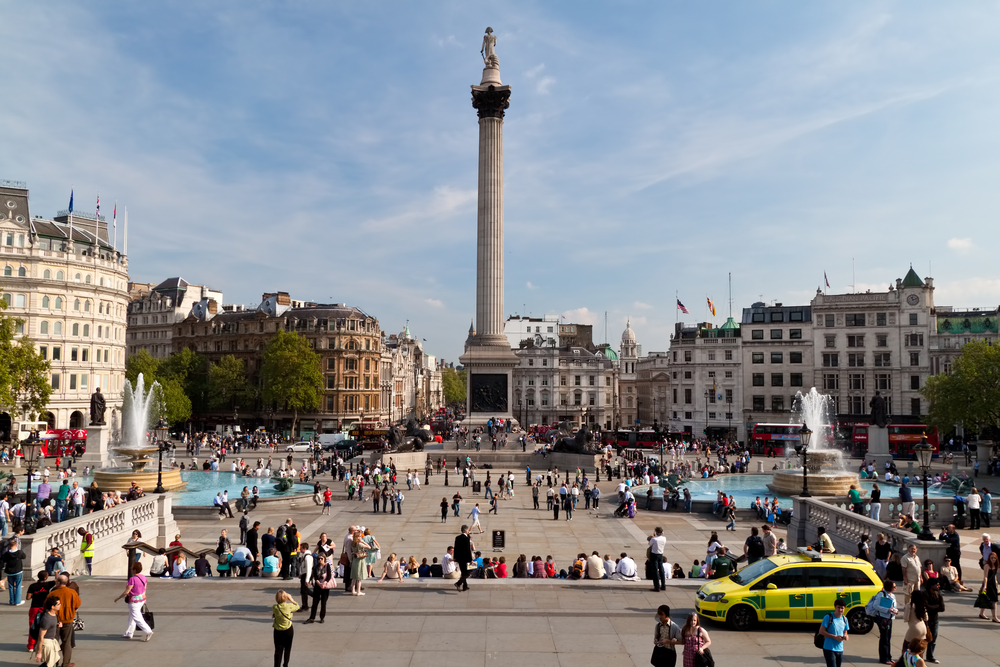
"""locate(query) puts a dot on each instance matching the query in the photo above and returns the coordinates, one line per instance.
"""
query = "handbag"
(704, 659)
(147, 616)
(663, 657)
(982, 601)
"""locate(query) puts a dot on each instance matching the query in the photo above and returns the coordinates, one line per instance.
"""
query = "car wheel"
(742, 617)
(860, 622)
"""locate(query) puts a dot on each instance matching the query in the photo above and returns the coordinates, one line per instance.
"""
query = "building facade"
(554, 384)
(64, 278)
(153, 310)
(652, 382)
(955, 328)
(777, 357)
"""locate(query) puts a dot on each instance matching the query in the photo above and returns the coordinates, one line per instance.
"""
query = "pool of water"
(202, 487)
(745, 488)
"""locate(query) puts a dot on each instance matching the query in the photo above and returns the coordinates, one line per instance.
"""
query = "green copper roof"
(609, 353)
(912, 279)
(959, 323)
(730, 324)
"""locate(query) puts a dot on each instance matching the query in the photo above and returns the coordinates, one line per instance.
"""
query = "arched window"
(46, 274)
(76, 304)
(58, 303)
(86, 306)
(19, 301)
(59, 275)
(88, 279)
(76, 329)
(86, 331)
(77, 277)
(100, 307)
(43, 328)
(102, 281)
(8, 271)
(57, 328)
(45, 302)
(22, 272)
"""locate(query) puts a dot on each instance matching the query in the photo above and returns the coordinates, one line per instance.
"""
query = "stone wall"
(151, 515)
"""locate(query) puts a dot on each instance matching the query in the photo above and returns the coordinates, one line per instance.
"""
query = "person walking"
(666, 637)
(834, 632)
(463, 555)
(322, 582)
(657, 545)
(70, 602)
(444, 510)
(13, 568)
(882, 608)
(135, 598)
(48, 650)
(474, 515)
(38, 592)
(282, 610)
(934, 603)
(696, 641)
(990, 570)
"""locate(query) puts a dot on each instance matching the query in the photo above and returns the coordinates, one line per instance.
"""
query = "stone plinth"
(97, 454)
(878, 447)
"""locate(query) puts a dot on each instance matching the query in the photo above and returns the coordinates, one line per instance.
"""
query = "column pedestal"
(878, 448)
(96, 455)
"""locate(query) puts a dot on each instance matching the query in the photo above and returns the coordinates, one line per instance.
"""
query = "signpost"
(499, 540)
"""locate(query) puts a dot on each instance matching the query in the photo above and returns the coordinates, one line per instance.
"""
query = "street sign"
(499, 540)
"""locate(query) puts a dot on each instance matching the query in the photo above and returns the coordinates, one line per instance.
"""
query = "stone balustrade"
(151, 515)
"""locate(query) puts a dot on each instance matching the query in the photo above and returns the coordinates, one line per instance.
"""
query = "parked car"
(304, 446)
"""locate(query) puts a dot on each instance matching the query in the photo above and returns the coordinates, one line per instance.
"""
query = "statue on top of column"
(488, 51)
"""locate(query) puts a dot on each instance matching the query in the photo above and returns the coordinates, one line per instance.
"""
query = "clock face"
(913, 299)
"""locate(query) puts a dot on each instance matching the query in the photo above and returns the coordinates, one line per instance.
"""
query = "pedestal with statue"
(98, 434)
(878, 434)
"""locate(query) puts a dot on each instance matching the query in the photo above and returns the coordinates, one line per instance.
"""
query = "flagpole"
(114, 224)
(126, 233)
(69, 245)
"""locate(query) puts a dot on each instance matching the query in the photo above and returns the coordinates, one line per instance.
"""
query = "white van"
(331, 439)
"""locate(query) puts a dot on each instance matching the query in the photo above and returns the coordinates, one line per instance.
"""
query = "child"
(781, 548)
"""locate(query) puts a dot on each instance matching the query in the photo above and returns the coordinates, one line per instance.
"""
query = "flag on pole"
(827, 280)
(98, 207)
(114, 225)
(711, 306)
(71, 200)
(681, 307)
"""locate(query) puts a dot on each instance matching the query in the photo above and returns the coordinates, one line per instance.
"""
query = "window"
(83, 381)
(43, 352)
(688, 415)
(777, 403)
(729, 355)
(883, 382)
(831, 360)
(829, 320)
(72, 381)
(757, 334)
(795, 379)
(830, 340)
(55, 380)
(915, 407)
(913, 340)
(687, 355)
(854, 319)
(881, 340)
(45, 302)
(856, 359)
(591, 399)
(729, 375)
(831, 381)
(856, 341)
(73, 353)
(577, 398)
(86, 307)
(19, 300)
(711, 374)
(777, 316)
(758, 403)
(795, 357)
(856, 405)
(675, 395)
(914, 358)
(757, 357)
(913, 319)
(795, 316)
(883, 359)
(22, 272)
(8, 270)
(687, 375)
(593, 380)
(711, 356)
(687, 396)
(880, 319)
(576, 380)
(711, 397)
(758, 317)
(915, 382)
(777, 357)
(43, 328)
(59, 275)
(729, 398)
(86, 331)
(795, 334)
(85, 354)
(76, 329)
(776, 334)
(777, 380)
(857, 381)
(758, 379)
(57, 329)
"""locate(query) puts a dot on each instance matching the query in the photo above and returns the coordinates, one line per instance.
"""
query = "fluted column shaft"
(489, 260)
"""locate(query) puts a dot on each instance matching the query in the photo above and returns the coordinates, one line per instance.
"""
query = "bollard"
(567, 478)
(446, 477)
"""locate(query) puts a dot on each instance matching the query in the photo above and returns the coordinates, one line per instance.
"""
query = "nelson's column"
(488, 358)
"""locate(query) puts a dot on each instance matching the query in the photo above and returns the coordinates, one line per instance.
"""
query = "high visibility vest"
(87, 549)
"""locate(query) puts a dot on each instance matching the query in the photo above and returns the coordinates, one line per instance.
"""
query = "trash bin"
(477, 487)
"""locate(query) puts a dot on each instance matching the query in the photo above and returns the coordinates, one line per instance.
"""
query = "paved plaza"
(425, 622)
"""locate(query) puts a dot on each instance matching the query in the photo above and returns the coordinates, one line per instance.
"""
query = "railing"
(7, 183)
(81, 214)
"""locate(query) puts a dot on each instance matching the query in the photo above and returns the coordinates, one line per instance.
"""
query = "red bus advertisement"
(902, 438)
(774, 436)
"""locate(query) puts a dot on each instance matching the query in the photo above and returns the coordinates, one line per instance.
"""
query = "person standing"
(770, 541)
(534, 497)
(666, 637)
(252, 536)
(359, 562)
(38, 592)
(13, 568)
(882, 608)
(906, 498)
(306, 560)
(463, 555)
(934, 603)
(282, 610)
(975, 503)
(135, 597)
(991, 568)
(834, 632)
(657, 545)
(322, 583)
(70, 602)
(696, 641)
(911, 569)
(875, 503)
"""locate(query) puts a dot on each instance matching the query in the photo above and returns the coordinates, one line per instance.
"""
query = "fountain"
(133, 446)
(827, 476)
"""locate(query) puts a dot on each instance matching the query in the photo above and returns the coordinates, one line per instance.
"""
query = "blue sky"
(328, 149)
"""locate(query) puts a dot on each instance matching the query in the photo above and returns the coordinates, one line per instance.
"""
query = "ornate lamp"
(30, 448)
(805, 435)
(160, 432)
(925, 454)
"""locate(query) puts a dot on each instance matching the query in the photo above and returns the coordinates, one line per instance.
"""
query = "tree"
(172, 402)
(190, 369)
(290, 374)
(228, 384)
(178, 376)
(142, 363)
(24, 375)
(970, 394)
(453, 384)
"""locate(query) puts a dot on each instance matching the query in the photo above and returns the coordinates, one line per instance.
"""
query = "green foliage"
(190, 369)
(24, 375)
(228, 384)
(179, 375)
(970, 394)
(453, 383)
(141, 363)
(290, 374)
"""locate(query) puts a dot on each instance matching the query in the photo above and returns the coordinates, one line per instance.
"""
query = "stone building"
(777, 356)
(415, 388)
(554, 384)
(955, 328)
(64, 278)
(628, 399)
(155, 309)
(541, 331)
(652, 383)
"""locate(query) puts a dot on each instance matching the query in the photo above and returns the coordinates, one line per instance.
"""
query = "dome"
(628, 336)
(608, 352)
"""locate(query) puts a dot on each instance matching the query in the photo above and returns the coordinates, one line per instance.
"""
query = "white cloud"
(545, 84)
(960, 245)
(535, 71)
(581, 316)
(967, 293)
(445, 202)
(642, 306)
(531, 286)
(434, 303)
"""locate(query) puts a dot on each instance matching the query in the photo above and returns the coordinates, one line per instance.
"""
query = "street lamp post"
(925, 452)
(30, 449)
(161, 437)
(802, 448)
(708, 394)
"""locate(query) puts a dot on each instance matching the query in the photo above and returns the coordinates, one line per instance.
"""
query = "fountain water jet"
(827, 476)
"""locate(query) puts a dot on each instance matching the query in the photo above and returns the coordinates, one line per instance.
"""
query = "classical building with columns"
(67, 283)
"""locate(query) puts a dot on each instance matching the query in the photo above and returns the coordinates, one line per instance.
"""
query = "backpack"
(756, 546)
(819, 640)
(281, 535)
(188, 573)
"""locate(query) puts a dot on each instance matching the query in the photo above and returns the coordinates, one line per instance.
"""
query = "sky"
(651, 149)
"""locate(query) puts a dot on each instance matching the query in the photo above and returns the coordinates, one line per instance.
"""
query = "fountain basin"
(120, 479)
(789, 482)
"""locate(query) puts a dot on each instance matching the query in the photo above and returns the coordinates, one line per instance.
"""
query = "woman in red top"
(502, 568)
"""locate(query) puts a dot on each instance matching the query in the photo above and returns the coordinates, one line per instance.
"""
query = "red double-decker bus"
(627, 439)
(774, 436)
(902, 438)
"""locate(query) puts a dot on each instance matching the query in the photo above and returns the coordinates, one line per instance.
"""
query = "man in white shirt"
(626, 569)
(595, 567)
(449, 568)
(609, 566)
(77, 495)
(657, 545)
(474, 515)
